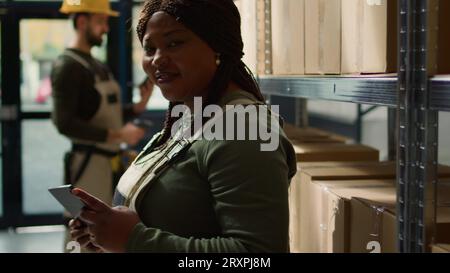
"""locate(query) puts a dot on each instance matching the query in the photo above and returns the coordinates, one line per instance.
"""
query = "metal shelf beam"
(381, 91)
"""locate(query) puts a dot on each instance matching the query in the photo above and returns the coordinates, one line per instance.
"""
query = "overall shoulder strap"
(78, 59)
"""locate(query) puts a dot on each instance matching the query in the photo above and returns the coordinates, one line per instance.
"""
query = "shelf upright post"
(301, 112)
(264, 39)
(418, 125)
(392, 133)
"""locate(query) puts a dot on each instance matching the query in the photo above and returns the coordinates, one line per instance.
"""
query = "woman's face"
(177, 60)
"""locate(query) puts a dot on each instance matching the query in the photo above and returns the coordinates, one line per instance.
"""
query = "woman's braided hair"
(218, 23)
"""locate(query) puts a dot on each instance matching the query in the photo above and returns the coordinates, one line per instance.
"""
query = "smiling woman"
(171, 50)
(190, 194)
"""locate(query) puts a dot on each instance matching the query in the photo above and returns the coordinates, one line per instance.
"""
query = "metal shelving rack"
(414, 97)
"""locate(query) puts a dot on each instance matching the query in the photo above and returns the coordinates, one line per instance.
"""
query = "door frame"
(119, 59)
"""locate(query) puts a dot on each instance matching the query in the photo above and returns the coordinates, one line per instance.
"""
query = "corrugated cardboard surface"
(320, 208)
(374, 34)
(440, 248)
(350, 36)
(315, 140)
(332, 164)
(360, 36)
(392, 36)
(374, 220)
(309, 152)
(299, 198)
(332, 135)
(247, 9)
(367, 44)
(312, 134)
(294, 132)
(444, 37)
(352, 51)
(322, 36)
(381, 192)
(375, 170)
(432, 36)
(338, 170)
(288, 38)
(298, 190)
(324, 226)
(368, 225)
(253, 34)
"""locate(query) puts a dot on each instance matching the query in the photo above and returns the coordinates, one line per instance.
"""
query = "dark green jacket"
(221, 196)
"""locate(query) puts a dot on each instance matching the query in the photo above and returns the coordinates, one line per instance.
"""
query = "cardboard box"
(332, 170)
(324, 227)
(443, 57)
(374, 222)
(335, 136)
(253, 33)
(309, 134)
(247, 9)
(327, 140)
(320, 193)
(333, 164)
(346, 171)
(369, 36)
(294, 132)
(439, 42)
(288, 38)
(350, 36)
(249, 32)
(300, 199)
(440, 248)
(342, 171)
(301, 202)
(311, 152)
(322, 36)
(360, 36)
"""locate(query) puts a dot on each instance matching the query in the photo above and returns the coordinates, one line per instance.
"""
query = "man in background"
(87, 103)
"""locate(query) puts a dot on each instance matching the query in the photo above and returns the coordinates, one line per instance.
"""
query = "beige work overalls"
(97, 176)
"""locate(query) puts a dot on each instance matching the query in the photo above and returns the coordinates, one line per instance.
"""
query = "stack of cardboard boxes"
(373, 220)
(332, 36)
(315, 145)
(343, 199)
(343, 207)
(350, 36)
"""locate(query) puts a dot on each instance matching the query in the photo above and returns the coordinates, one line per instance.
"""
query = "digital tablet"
(69, 201)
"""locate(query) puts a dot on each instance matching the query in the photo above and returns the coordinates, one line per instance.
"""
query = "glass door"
(43, 147)
(32, 148)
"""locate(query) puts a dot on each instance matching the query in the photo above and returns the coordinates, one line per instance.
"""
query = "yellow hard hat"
(89, 6)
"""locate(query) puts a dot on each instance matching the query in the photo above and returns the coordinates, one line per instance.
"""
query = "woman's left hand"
(109, 228)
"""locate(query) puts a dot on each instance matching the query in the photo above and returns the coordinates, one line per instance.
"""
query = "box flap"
(440, 248)
(383, 171)
(335, 152)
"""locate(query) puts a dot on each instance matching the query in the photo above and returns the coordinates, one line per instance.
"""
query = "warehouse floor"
(33, 240)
